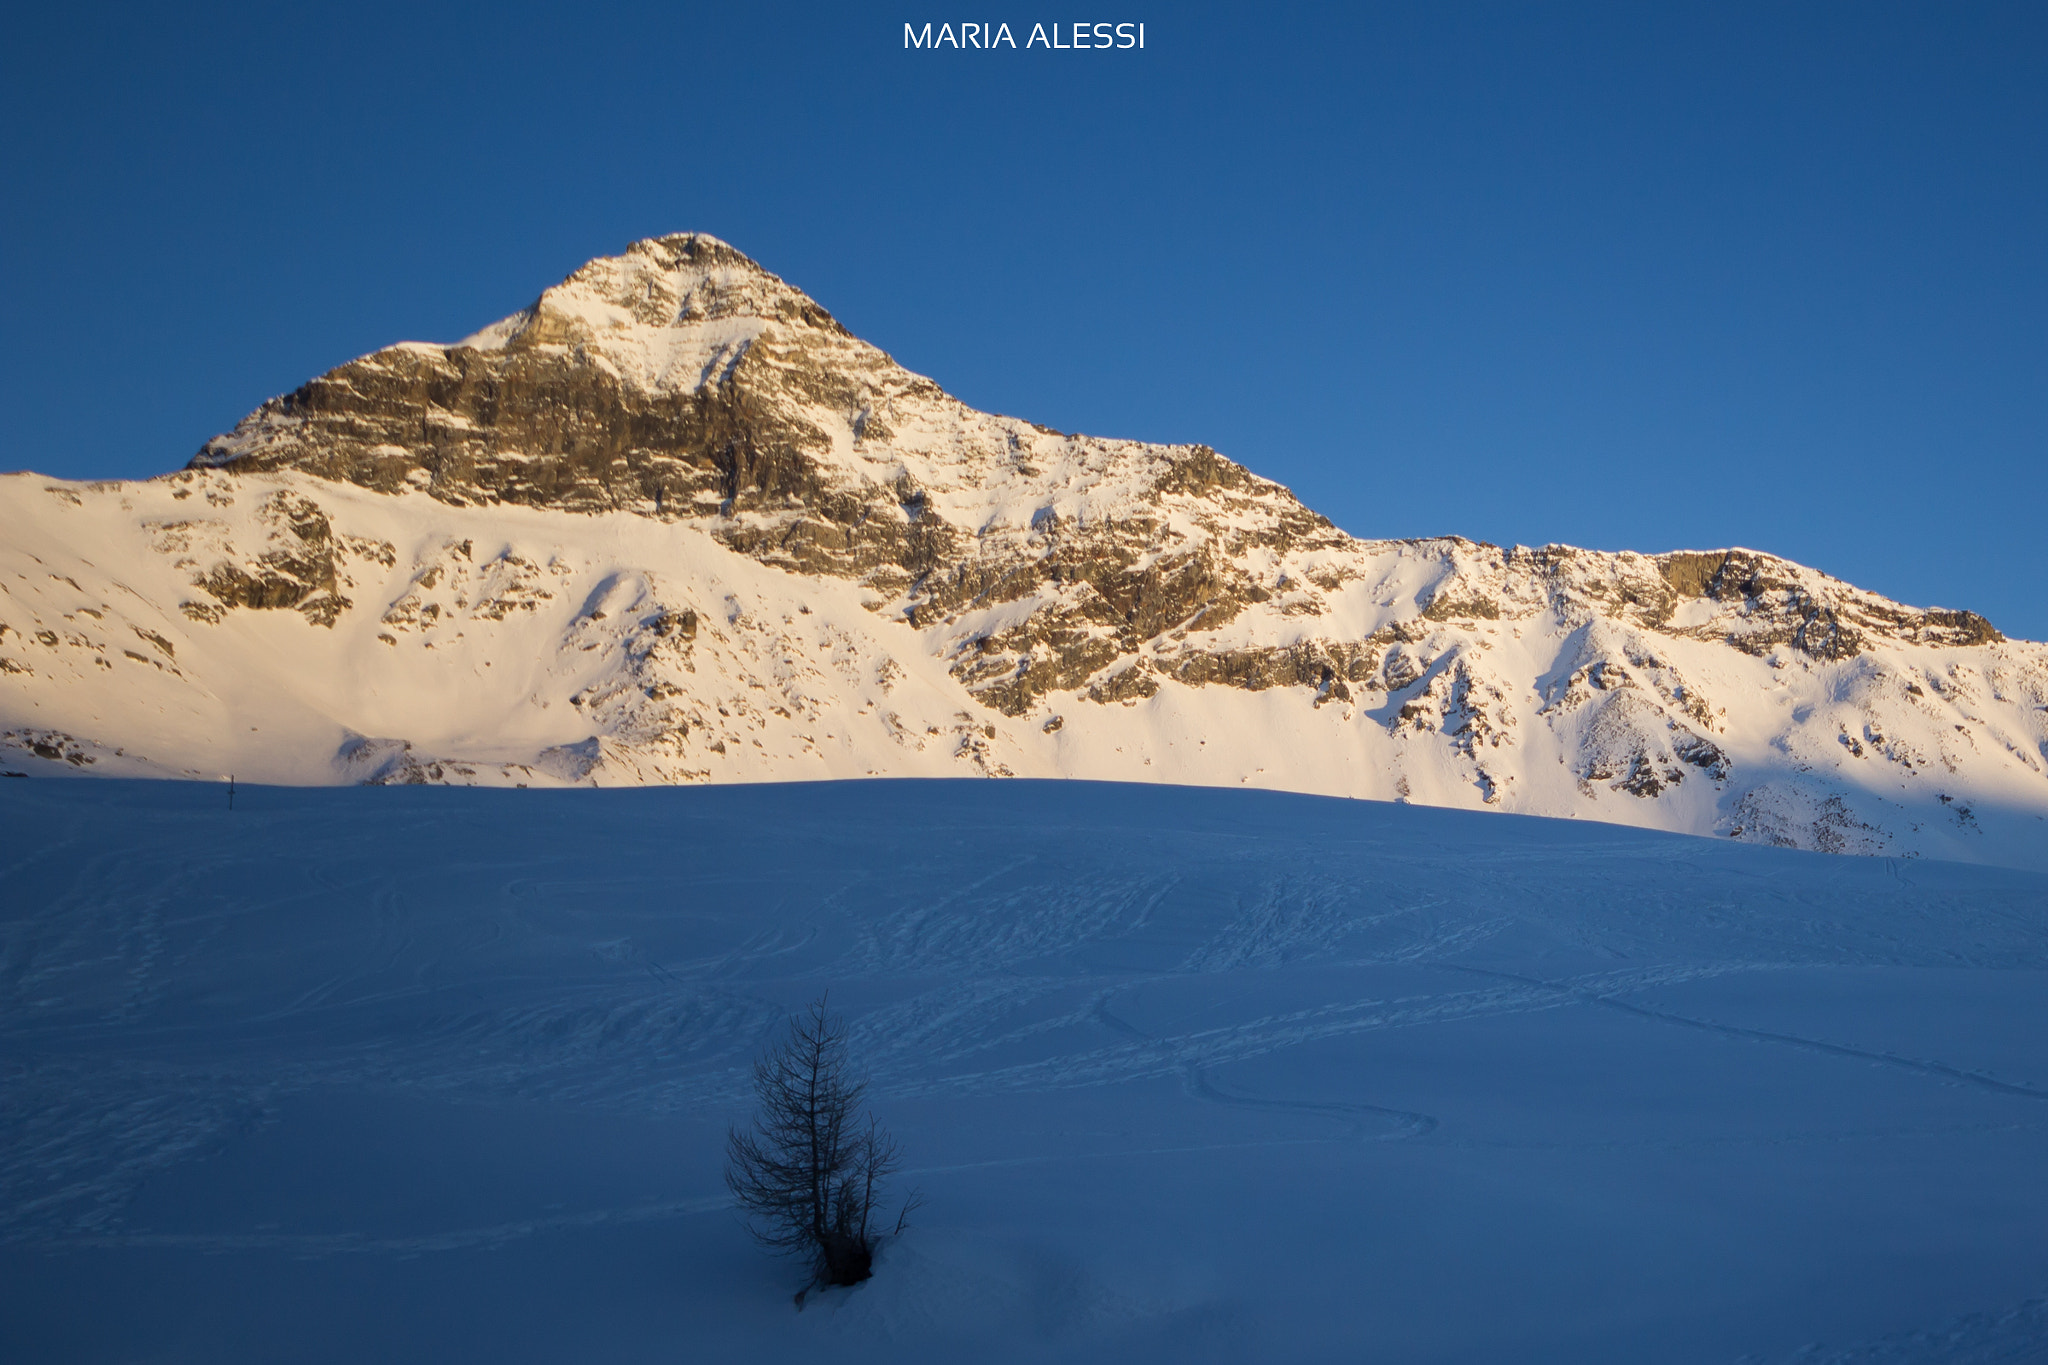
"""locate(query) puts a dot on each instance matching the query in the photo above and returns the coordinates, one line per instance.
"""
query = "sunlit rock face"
(674, 523)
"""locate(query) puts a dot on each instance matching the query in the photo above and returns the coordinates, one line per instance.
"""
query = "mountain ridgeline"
(674, 523)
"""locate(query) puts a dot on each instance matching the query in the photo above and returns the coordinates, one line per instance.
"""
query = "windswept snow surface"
(434, 1074)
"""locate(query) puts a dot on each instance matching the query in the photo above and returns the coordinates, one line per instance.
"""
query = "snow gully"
(1080, 37)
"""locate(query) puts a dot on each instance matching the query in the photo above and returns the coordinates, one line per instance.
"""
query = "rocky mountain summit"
(674, 523)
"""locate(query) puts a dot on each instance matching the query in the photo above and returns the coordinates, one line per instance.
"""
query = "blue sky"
(1771, 275)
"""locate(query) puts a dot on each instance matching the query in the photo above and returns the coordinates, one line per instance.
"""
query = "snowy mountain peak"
(673, 523)
(677, 282)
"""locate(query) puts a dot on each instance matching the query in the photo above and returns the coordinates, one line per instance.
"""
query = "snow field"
(1184, 1074)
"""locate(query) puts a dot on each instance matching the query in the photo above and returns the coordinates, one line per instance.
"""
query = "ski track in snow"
(1195, 977)
(1579, 992)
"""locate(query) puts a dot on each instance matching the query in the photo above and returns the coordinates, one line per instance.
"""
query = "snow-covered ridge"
(673, 523)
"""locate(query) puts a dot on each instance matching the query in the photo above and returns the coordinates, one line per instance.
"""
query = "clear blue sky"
(1630, 276)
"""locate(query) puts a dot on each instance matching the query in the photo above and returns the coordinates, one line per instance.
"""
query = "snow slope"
(1187, 1075)
(674, 524)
